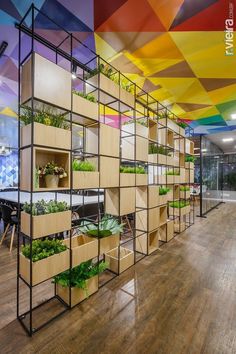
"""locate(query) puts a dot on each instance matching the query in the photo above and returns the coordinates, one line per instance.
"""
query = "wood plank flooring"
(180, 300)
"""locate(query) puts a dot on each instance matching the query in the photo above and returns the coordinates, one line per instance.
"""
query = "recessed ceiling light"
(233, 116)
(225, 140)
(204, 150)
(73, 76)
(196, 148)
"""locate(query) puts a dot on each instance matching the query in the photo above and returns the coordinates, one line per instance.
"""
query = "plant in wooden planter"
(163, 195)
(182, 125)
(87, 96)
(172, 176)
(126, 175)
(179, 207)
(184, 192)
(47, 218)
(84, 105)
(189, 161)
(82, 279)
(50, 129)
(51, 172)
(107, 230)
(49, 257)
(84, 174)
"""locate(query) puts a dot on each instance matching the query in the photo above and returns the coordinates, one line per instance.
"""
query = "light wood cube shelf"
(84, 108)
(52, 84)
(123, 255)
(120, 201)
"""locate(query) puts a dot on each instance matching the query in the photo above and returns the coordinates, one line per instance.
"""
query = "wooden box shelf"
(41, 156)
(45, 135)
(161, 159)
(83, 248)
(141, 179)
(126, 258)
(147, 220)
(166, 232)
(179, 211)
(77, 294)
(189, 147)
(109, 172)
(170, 124)
(152, 130)
(85, 180)
(179, 226)
(84, 107)
(127, 179)
(108, 243)
(162, 199)
(147, 243)
(147, 197)
(120, 201)
(189, 176)
(170, 138)
(45, 268)
(189, 165)
(132, 129)
(135, 148)
(45, 225)
(163, 215)
(52, 84)
(109, 141)
(184, 194)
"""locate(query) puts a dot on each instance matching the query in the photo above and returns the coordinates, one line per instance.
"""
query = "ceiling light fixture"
(204, 150)
(74, 68)
(233, 116)
(226, 140)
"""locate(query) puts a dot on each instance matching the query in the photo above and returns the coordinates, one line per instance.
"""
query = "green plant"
(172, 173)
(184, 188)
(190, 159)
(51, 168)
(43, 248)
(41, 207)
(179, 204)
(87, 96)
(141, 121)
(182, 125)
(44, 116)
(163, 190)
(155, 149)
(83, 166)
(106, 227)
(132, 169)
(76, 277)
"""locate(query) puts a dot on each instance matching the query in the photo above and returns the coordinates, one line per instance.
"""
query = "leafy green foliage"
(43, 248)
(182, 125)
(87, 96)
(44, 116)
(190, 159)
(179, 204)
(163, 190)
(41, 207)
(132, 169)
(107, 226)
(172, 173)
(155, 149)
(184, 188)
(76, 277)
(141, 121)
(87, 166)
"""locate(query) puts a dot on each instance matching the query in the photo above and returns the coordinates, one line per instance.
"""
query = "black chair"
(9, 221)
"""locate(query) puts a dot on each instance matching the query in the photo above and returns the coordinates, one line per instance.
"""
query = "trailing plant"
(42, 207)
(107, 226)
(44, 116)
(51, 168)
(182, 125)
(190, 159)
(87, 166)
(184, 188)
(172, 173)
(43, 248)
(77, 276)
(179, 204)
(132, 169)
(155, 149)
(141, 121)
(163, 190)
(87, 96)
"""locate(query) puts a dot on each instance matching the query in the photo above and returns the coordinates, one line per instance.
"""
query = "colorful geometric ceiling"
(173, 49)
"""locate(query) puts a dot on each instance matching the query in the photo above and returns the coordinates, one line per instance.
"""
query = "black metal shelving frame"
(149, 105)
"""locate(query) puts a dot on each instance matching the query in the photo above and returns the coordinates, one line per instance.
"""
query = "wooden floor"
(181, 300)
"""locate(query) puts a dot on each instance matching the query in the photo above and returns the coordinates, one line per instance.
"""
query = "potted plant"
(157, 154)
(107, 230)
(48, 218)
(85, 104)
(173, 176)
(50, 128)
(182, 127)
(189, 162)
(49, 257)
(135, 126)
(82, 279)
(52, 173)
(163, 195)
(184, 192)
(84, 174)
(179, 207)
(127, 175)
